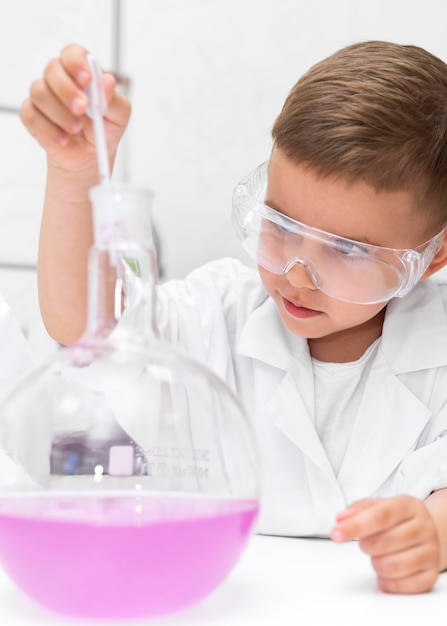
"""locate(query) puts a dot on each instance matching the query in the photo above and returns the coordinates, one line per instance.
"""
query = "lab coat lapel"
(289, 411)
(391, 417)
(290, 399)
(414, 334)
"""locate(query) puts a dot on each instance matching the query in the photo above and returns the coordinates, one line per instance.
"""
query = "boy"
(337, 346)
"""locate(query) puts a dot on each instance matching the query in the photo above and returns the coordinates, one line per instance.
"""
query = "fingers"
(356, 507)
(369, 517)
(393, 540)
(400, 537)
(74, 60)
(421, 582)
(57, 102)
(46, 102)
(46, 133)
(55, 112)
(64, 87)
(119, 107)
(412, 570)
(411, 560)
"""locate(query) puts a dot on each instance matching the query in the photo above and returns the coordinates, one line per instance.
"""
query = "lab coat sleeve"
(425, 469)
(15, 355)
(15, 360)
(203, 314)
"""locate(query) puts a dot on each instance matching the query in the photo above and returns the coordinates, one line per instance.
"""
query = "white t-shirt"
(338, 390)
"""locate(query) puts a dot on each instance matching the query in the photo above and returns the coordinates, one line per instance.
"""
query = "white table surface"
(278, 581)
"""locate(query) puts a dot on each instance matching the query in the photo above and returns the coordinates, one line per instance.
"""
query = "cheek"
(341, 315)
(349, 315)
(269, 280)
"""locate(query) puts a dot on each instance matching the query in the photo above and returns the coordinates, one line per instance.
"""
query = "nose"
(300, 274)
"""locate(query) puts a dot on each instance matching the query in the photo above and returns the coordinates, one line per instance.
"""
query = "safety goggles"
(342, 268)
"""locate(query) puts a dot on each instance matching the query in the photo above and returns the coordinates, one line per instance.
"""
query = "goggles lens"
(342, 268)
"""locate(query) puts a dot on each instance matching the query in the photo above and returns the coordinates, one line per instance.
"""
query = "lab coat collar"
(390, 421)
(265, 337)
(422, 315)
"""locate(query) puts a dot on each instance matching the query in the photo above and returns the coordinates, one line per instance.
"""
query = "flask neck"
(122, 265)
(122, 289)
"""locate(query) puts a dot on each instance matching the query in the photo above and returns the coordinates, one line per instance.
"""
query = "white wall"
(208, 79)
(30, 34)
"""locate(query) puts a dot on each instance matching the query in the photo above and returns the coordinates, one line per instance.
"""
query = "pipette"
(96, 108)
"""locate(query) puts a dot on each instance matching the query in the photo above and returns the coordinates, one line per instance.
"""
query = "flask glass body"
(128, 471)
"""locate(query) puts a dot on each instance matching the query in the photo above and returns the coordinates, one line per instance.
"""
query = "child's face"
(353, 210)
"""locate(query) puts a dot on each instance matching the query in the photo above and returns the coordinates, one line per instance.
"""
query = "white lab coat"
(15, 361)
(222, 316)
(15, 355)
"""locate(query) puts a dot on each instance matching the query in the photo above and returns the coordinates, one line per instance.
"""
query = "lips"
(298, 310)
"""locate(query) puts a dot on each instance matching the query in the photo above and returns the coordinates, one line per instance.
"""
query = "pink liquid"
(121, 556)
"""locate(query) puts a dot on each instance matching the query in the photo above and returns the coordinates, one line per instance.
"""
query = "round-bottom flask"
(128, 472)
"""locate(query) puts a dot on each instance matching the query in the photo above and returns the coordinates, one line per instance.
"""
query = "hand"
(400, 536)
(55, 111)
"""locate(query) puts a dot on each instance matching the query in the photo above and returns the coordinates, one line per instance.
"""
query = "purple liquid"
(121, 555)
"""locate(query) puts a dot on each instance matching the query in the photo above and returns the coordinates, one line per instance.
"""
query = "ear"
(440, 259)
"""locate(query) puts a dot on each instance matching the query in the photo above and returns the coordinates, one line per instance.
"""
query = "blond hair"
(376, 112)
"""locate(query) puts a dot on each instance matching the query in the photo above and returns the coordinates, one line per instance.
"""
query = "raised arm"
(55, 115)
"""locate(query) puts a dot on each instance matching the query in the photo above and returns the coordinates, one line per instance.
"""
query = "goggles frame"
(407, 264)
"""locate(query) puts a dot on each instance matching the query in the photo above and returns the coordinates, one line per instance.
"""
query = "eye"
(281, 229)
(350, 249)
(273, 228)
(288, 227)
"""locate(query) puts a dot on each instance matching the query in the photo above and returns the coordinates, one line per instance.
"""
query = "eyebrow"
(272, 205)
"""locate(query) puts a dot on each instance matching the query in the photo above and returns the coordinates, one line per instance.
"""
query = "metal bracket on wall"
(7, 109)
(21, 267)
